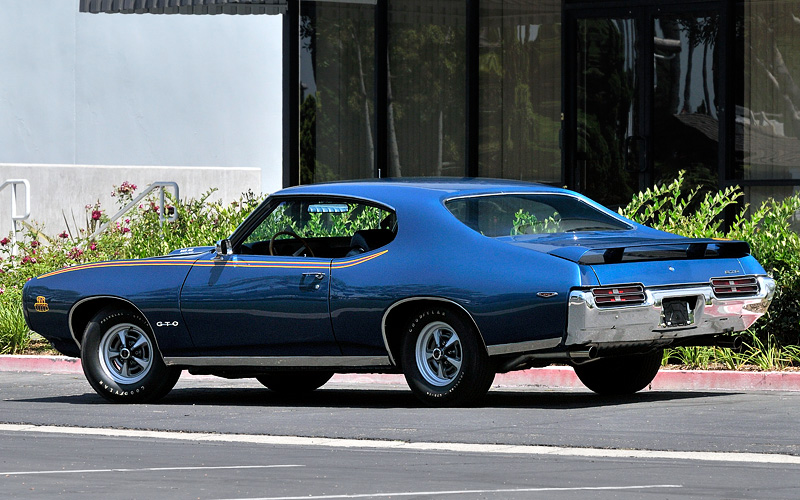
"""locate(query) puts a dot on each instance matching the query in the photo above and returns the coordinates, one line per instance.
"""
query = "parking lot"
(215, 439)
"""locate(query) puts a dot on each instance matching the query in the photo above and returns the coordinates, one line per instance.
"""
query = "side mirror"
(223, 248)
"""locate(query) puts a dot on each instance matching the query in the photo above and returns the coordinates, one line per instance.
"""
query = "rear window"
(515, 214)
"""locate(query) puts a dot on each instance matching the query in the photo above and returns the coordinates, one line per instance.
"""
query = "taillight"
(731, 287)
(618, 295)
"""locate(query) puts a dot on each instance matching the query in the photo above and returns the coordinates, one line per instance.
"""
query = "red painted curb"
(45, 364)
(552, 377)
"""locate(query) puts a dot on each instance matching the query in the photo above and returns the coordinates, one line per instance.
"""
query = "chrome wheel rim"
(126, 353)
(438, 354)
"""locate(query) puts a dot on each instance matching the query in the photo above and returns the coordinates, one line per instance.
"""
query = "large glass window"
(685, 105)
(427, 88)
(337, 74)
(768, 102)
(609, 142)
(520, 90)
(768, 115)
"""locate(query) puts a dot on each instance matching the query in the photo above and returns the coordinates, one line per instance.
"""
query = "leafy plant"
(14, 333)
(768, 229)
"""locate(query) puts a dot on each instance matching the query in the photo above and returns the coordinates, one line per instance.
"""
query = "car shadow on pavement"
(388, 398)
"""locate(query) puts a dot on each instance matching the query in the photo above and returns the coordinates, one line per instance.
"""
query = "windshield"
(515, 214)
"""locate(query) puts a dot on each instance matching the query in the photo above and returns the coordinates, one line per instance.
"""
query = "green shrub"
(767, 229)
(14, 333)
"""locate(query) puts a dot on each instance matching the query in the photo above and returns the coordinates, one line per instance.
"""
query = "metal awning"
(184, 6)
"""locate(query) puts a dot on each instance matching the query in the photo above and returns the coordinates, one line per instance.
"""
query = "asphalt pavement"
(214, 438)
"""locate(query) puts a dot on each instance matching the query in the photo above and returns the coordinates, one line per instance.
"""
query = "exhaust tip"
(588, 352)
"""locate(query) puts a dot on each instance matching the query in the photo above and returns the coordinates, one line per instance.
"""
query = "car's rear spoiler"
(668, 249)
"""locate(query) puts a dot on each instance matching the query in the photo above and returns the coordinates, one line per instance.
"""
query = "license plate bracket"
(677, 312)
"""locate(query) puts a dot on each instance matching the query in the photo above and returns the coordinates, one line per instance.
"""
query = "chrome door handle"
(318, 276)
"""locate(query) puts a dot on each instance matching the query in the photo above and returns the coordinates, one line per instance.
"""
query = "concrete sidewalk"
(555, 377)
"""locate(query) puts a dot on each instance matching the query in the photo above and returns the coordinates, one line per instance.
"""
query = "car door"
(269, 296)
(254, 305)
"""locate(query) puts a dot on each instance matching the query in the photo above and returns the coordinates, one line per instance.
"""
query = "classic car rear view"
(446, 281)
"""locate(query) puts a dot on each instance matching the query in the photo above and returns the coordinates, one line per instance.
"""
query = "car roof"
(398, 191)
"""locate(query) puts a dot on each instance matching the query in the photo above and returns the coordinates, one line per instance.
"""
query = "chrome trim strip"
(287, 361)
(411, 299)
(533, 345)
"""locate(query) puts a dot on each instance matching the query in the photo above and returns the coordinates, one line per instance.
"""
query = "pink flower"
(64, 235)
(5, 241)
(29, 260)
(93, 246)
(2, 290)
(75, 253)
(34, 244)
(96, 214)
(126, 230)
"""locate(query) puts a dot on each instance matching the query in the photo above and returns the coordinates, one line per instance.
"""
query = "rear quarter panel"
(434, 255)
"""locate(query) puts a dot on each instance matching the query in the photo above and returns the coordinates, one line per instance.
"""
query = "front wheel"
(121, 361)
(444, 360)
(620, 375)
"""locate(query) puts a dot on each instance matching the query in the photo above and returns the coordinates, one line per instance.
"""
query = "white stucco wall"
(137, 90)
(57, 201)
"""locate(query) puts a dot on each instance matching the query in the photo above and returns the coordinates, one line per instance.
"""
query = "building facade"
(605, 97)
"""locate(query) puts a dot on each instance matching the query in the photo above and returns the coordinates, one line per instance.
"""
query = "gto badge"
(41, 305)
(547, 295)
(734, 271)
(167, 323)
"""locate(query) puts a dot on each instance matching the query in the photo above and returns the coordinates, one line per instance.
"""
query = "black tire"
(121, 360)
(620, 375)
(444, 360)
(294, 382)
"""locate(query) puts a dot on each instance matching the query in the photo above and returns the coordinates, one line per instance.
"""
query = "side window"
(321, 228)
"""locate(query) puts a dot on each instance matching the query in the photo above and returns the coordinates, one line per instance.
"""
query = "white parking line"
(149, 469)
(754, 458)
(467, 492)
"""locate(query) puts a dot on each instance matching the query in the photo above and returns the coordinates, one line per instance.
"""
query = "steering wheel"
(293, 235)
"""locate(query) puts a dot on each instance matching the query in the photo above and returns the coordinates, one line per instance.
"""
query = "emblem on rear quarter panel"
(547, 295)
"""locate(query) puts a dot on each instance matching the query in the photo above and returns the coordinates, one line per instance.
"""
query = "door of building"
(642, 85)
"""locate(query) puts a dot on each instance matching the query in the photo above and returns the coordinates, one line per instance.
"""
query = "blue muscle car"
(446, 281)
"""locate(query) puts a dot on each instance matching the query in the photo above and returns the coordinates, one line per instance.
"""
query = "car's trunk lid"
(652, 261)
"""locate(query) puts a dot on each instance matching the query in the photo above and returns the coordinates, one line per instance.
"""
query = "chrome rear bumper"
(589, 324)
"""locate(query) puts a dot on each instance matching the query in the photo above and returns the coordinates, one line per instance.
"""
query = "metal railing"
(163, 216)
(15, 215)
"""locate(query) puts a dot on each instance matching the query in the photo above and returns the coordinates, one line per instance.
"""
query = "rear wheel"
(621, 374)
(444, 360)
(121, 360)
(294, 382)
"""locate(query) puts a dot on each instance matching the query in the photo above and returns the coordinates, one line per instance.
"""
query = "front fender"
(59, 303)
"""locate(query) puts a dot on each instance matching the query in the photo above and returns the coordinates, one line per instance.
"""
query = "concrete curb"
(552, 377)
